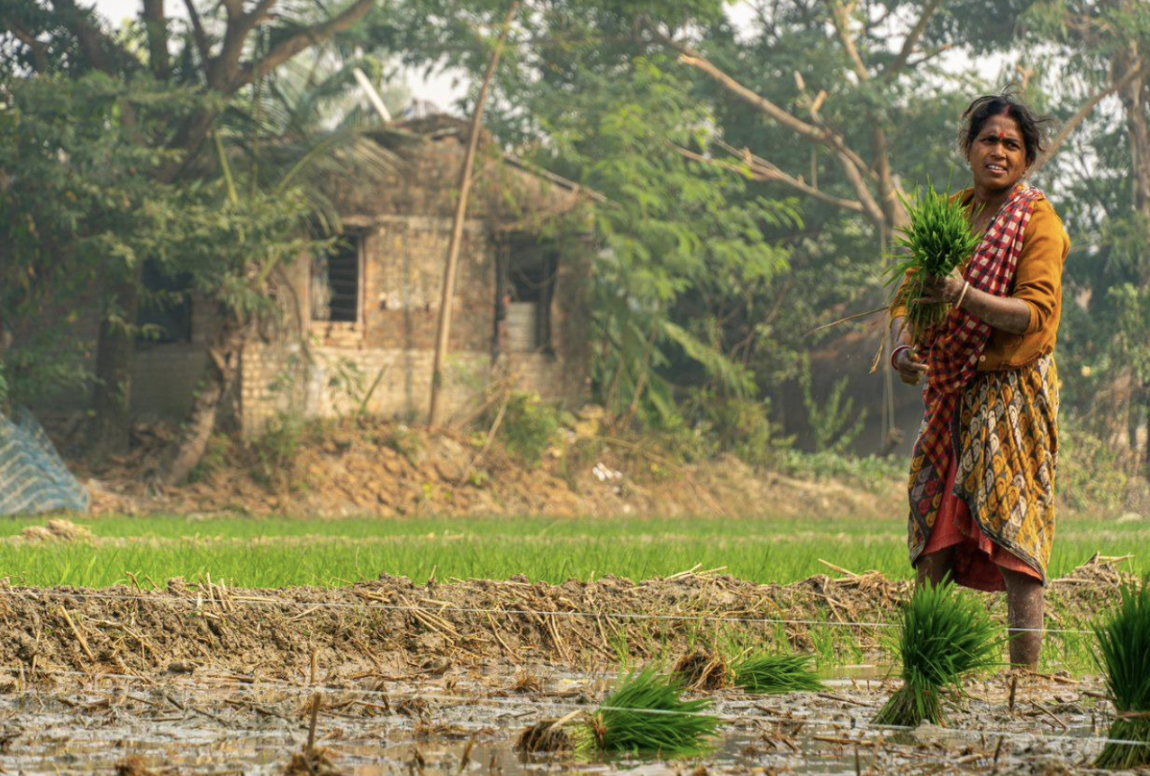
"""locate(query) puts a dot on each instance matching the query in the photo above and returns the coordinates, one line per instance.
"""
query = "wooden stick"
(76, 632)
(447, 294)
(315, 701)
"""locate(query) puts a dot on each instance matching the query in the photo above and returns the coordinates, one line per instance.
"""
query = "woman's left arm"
(1037, 282)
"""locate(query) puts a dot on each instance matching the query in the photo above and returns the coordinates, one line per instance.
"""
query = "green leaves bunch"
(775, 674)
(938, 239)
(647, 713)
(1124, 657)
(944, 637)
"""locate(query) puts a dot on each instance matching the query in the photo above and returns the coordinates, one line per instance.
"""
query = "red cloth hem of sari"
(977, 559)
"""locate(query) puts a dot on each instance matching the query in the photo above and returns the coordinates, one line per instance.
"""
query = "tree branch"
(841, 15)
(912, 39)
(198, 34)
(39, 55)
(300, 41)
(762, 170)
(1084, 112)
(101, 51)
(156, 28)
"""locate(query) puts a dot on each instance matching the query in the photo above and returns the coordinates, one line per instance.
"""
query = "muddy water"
(468, 724)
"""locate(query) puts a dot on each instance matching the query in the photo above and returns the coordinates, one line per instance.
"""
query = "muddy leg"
(935, 566)
(1025, 604)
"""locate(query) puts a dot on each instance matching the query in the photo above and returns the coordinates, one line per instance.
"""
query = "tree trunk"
(184, 453)
(110, 429)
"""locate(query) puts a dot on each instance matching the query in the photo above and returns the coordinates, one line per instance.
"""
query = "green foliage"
(528, 427)
(835, 424)
(276, 449)
(741, 426)
(945, 636)
(938, 240)
(773, 674)
(1124, 657)
(1092, 474)
(646, 713)
(215, 458)
(868, 472)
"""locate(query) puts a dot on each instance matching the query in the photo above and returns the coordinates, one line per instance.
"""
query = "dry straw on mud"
(944, 637)
(1124, 657)
(646, 713)
(938, 239)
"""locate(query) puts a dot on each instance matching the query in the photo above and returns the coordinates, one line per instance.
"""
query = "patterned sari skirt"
(995, 505)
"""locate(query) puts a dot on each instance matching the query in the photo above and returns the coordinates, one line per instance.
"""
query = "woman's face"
(998, 154)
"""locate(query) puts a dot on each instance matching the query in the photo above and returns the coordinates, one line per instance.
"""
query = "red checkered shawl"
(954, 355)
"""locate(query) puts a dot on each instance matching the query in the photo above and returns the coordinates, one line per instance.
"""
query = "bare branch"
(101, 51)
(198, 34)
(156, 27)
(1068, 129)
(762, 170)
(912, 39)
(39, 55)
(302, 40)
(841, 14)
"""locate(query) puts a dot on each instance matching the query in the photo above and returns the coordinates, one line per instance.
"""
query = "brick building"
(359, 326)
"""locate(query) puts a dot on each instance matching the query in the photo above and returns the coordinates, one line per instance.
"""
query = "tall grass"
(1124, 657)
(944, 636)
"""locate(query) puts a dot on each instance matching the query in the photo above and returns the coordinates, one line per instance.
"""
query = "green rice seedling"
(774, 674)
(944, 637)
(1124, 656)
(938, 239)
(647, 713)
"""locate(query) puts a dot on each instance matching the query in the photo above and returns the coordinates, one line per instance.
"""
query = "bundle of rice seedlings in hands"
(1124, 656)
(944, 637)
(773, 674)
(646, 713)
(938, 239)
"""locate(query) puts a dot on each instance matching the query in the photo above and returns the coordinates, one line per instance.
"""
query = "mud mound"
(388, 469)
(55, 531)
(394, 626)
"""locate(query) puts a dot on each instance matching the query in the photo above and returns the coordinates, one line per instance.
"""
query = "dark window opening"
(528, 287)
(165, 312)
(335, 283)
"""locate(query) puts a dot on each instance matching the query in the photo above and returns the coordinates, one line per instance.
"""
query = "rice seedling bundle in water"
(1124, 657)
(775, 674)
(938, 239)
(647, 713)
(944, 637)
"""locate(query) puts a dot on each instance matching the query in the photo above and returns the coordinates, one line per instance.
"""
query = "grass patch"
(1124, 657)
(285, 552)
(944, 637)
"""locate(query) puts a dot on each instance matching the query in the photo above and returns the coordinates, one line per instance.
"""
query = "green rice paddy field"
(281, 552)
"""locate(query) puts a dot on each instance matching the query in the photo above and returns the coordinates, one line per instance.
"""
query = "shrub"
(528, 427)
(276, 450)
(1092, 474)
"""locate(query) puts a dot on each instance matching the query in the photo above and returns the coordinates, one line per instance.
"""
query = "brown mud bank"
(381, 468)
(392, 627)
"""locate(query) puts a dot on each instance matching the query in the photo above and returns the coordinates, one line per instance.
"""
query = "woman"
(982, 474)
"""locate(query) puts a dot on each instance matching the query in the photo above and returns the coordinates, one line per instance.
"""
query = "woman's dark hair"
(984, 108)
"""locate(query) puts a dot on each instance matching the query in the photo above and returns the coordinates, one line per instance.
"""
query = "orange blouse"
(1038, 282)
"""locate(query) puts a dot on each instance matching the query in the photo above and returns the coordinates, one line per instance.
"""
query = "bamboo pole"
(443, 330)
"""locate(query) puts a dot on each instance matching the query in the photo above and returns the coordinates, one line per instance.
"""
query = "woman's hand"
(911, 369)
(944, 290)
